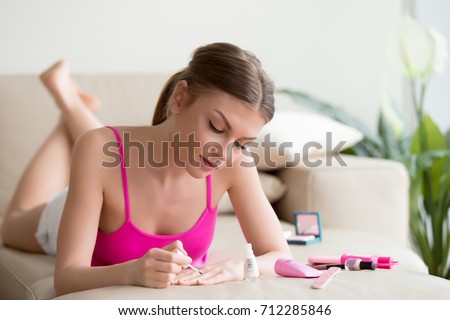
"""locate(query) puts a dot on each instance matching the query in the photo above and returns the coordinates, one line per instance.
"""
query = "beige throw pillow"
(294, 137)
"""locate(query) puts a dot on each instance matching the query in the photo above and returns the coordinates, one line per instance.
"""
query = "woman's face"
(214, 131)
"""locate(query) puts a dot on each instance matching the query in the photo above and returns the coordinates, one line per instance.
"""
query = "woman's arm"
(79, 226)
(257, 218)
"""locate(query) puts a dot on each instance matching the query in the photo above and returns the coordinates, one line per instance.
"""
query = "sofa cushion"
(23, 275)
(298, 134)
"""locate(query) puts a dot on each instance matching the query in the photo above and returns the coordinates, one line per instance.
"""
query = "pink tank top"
(129, 242)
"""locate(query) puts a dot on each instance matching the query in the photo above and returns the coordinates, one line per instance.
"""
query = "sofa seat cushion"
(381, 285)
(22, 273)
(29, 276)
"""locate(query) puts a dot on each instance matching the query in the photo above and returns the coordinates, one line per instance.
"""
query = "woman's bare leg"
(49, 169)
(47, 172)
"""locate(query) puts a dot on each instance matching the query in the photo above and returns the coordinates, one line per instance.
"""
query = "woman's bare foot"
(57, 81)
(64, 89)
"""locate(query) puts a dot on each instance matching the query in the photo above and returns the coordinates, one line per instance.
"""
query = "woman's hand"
(158, 267)
(224, 271)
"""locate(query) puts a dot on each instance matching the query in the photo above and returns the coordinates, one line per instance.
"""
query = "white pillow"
(272, 186)
(297, 136)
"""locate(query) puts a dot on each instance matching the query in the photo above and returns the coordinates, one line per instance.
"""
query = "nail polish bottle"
(251, 270)
(353, 264)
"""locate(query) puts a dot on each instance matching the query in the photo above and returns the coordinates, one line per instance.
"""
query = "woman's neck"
(165, 155)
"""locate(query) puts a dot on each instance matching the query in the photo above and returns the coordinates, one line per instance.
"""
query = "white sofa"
(364, 209)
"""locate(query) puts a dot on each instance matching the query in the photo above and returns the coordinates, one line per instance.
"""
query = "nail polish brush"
(190, 266)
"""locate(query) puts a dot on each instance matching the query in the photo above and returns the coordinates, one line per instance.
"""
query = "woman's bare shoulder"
(92, 145)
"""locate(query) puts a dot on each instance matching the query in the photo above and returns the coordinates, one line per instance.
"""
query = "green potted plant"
(424, 149)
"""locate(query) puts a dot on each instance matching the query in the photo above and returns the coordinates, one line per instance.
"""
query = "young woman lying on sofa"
(121, 218)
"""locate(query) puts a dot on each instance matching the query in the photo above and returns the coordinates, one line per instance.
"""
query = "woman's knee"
(18, 230)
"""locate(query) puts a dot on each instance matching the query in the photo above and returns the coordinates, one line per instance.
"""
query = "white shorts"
(47, 231)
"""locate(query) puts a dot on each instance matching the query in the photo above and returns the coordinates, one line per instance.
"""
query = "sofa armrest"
(365, 194)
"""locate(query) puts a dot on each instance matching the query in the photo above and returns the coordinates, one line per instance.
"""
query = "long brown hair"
(225, 67)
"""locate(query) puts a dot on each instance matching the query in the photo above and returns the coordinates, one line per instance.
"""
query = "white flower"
(440, 53)
(391, 115)
(421, 52)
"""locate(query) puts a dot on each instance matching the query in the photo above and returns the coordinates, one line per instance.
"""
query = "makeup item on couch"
(354, 264)
(380, 262)
(190, 266)
(251, 270)
(324, 260)
(325, 278)
(293, 269)
(308, 228)
(327, 266)
(351, 264)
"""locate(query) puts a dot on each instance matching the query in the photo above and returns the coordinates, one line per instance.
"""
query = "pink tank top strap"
(124, 172)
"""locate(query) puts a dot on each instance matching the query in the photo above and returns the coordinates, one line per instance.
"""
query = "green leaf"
(447, 138)
(446, 256)
(367, 148)
(420, 235)
(431, 165)
(444, 188)
(443, 200)
(427, 141)
(410, 162)
(427, 136)
(427, 160)
(415, 189)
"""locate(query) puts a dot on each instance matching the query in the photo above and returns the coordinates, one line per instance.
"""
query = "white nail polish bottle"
(251, 270)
